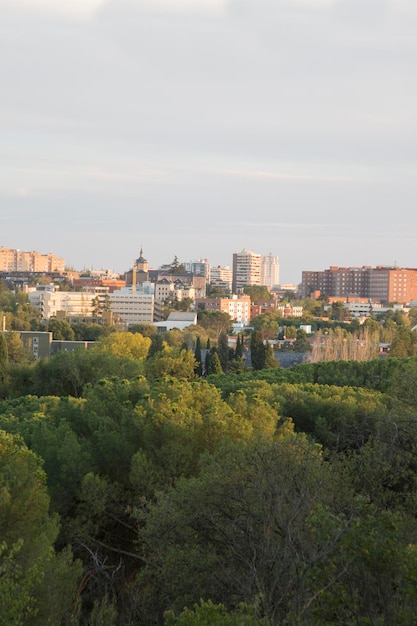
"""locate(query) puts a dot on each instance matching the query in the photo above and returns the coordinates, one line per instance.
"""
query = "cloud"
(265, 175)
(71, 8)
(185, 6)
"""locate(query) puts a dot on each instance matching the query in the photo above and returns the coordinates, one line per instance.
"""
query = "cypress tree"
(257, 350)
(270, 360)
(215, 365)
(197, 354)
(223, 351)
(239, 348)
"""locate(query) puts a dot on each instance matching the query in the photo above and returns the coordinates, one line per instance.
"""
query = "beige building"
(222, 277)
(13, 260)
(67, 304)
(247, 269)
(135, 307)
(270, 271)
(237, 307)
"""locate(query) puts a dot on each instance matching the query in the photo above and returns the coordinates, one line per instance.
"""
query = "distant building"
(139, 273)
(88, 282)
(199, 268)
(177, 319)
(247, 269)
(40, 345)
(237, 307)
(384, 284)
(67, 304)
(135, 307)
(283, 310)
(13, 260)
(222, 277)
(270, 271)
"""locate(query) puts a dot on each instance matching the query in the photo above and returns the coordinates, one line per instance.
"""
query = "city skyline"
(198, 129)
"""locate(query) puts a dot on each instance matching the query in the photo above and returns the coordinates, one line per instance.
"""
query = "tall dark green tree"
(258, 351)
(239, 348)
(270, 360)
(197, 354)
(223, 351)
(213, 364)
(156, 346)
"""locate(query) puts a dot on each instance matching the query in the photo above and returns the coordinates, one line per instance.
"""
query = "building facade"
(237, 307)
(378, 284)
(270, 271)
(135, 307)
(13, 260)
(199, 268)
(67, 304)
(222, 277)
(247, 269)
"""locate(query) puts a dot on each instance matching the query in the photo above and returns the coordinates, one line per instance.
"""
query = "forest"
(133, 490)
(160, 481)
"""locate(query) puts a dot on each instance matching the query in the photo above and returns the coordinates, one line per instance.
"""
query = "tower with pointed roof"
(141, 263)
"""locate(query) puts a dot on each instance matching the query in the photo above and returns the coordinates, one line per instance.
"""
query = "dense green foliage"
(134, 491)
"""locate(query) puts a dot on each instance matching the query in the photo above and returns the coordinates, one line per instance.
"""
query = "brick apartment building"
(379, 284)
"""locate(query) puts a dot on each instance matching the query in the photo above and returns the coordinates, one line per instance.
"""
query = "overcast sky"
(197, 128)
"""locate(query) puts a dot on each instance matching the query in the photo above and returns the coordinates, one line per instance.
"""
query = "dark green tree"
(223, 351)
(157, 345)
(60, 329)
(239, 348)
(301, 344)
(197, 354)
(258, 351)
(214, 364)
(257, 293)
(270, 360)
(404, 343)
(215, 322)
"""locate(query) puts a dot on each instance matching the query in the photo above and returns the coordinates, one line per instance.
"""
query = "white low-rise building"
(135, 307)
(52, 302)
(177, 319)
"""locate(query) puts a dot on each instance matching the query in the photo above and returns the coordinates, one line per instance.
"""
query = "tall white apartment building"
(199, 268)
(221, 276)
(270, 271)
(247, 269)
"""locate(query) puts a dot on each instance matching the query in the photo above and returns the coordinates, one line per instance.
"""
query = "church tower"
(142, 264)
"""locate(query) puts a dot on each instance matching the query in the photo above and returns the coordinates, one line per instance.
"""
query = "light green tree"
(27, 558)
(125, 344)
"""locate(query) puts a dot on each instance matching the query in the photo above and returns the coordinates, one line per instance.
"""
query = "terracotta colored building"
(379, 284)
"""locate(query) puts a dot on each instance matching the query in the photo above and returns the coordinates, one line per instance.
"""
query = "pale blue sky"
(200, 127)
